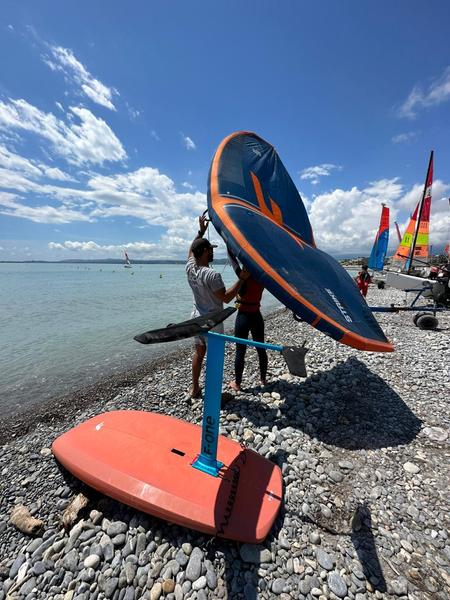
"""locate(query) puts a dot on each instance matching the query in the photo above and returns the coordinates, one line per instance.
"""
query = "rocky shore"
(363, 443)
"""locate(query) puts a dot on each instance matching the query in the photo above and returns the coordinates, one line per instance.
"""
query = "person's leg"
(257, 330)
(197, 362)
(241, 330)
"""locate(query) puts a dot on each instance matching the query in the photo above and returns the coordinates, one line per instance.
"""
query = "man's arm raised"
(202, 227)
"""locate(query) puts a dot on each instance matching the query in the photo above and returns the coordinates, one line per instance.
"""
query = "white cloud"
(347, 220)
(155, 136)
(436, 93)
(188, 143)
(64, 60)
(39, 214)
(404, 137)
(188, 185)
(90, 141)
(28, 168)
(135, 248)
(315, 173)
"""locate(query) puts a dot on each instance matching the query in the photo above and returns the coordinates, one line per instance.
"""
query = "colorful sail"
(378, 254)
(414, 248)
(256, 208)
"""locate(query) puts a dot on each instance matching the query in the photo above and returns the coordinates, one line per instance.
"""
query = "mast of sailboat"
(398, 231)
(419, 217)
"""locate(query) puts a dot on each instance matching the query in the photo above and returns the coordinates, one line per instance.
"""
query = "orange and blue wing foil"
(256, 208)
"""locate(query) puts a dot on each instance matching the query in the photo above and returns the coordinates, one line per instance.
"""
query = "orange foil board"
(145, 460)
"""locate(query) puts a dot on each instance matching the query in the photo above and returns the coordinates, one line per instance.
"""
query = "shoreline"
(364, 446)
(21, 421)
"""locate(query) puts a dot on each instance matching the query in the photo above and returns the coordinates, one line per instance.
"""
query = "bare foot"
(235, 386)
(195, 394)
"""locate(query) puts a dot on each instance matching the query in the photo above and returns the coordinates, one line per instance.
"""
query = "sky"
(110, 114)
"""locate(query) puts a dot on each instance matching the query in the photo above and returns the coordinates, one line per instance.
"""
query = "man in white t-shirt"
(209, 294)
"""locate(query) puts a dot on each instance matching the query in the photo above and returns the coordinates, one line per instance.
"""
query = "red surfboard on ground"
(145, 460)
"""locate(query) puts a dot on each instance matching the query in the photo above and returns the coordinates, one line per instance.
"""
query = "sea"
(66, 326)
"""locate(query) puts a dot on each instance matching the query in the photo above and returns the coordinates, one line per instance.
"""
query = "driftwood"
(22, 519)
(73, 509)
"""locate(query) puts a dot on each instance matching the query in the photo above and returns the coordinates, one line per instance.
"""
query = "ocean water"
(65, 326)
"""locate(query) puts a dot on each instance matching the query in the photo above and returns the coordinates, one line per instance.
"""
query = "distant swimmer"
(209, 294)
(363, 279)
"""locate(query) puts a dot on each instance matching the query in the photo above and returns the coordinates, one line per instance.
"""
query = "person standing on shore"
(363, 279)
(248, 320)
(209, 293)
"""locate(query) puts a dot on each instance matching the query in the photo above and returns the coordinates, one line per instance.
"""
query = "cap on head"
(200, 245)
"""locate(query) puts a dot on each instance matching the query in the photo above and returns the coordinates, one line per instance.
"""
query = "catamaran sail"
(127, 264)
(413, 250)
(378, 254)
(399, 235)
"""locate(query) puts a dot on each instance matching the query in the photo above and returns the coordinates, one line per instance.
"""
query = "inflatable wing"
(256, 208)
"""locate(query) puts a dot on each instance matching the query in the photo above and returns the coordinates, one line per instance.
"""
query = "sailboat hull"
(401, 281)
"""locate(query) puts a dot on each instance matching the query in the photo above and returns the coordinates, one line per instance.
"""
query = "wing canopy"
(256, 208)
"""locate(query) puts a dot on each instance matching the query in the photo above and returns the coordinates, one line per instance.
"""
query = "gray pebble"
(337, 585)
(194, 567)
(324, 559)
(278, 585)
(115, 528)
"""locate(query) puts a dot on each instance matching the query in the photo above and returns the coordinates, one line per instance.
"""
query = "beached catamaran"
(379, 249)
(412, 254)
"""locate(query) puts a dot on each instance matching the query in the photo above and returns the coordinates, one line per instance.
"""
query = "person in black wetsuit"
(248, 320)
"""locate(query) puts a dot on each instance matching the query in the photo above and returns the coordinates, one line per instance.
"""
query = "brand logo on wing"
(344, 313)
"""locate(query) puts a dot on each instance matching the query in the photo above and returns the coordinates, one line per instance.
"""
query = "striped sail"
(413, 250)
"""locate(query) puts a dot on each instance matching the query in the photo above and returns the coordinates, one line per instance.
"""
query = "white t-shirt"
(204, 281)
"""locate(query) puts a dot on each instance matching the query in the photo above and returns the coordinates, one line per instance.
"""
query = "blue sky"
(110, 116)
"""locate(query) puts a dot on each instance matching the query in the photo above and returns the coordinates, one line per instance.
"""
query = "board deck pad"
(144, 460)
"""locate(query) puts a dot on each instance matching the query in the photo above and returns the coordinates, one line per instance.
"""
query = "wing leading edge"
(267, 227)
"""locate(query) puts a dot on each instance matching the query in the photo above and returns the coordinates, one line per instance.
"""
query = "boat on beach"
(411, 259)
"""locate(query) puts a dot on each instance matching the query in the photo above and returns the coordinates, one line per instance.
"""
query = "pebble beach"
(363, 444)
